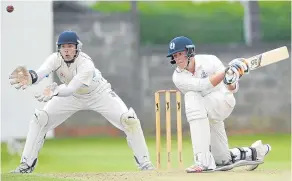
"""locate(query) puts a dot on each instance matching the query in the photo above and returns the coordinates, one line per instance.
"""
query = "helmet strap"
(190, 53)
(187, 63)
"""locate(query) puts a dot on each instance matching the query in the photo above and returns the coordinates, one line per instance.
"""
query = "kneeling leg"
(226, 158)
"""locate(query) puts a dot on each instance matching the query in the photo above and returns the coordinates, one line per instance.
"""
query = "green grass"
(112, 154)
(276, 20)
(164, 7)
(208, 22)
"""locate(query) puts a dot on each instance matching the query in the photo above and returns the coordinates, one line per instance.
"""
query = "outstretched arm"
(190, 83)
(60, 91)
(47, 67)
(83, 78)
(21, 77)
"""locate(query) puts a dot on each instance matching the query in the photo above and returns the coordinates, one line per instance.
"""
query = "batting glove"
(232, 75)
(242, 63)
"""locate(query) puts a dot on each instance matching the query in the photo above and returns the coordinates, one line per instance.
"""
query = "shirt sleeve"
(47, 67)
(85, 72)
(189, 83)
(65, 91)
(217, 64)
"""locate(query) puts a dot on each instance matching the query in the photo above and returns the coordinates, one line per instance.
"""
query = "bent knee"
(196, 112)
(40, 118)
(130, 121)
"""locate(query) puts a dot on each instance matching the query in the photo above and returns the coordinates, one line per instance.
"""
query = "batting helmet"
(69, 37)
(180, 44)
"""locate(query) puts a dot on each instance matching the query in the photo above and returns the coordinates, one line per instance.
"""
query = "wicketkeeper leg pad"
(135, 137)
(35, 137)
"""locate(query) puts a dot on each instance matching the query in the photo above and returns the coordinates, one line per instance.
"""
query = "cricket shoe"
(146, 166)
(262, 150)
(23, 168)
(197, 169)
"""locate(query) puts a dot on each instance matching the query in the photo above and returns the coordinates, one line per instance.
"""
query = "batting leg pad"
(200, 135)
(200, 129)
(135, 136)
(35, 137)
(239, 163)
(243, 153)
(240, 156)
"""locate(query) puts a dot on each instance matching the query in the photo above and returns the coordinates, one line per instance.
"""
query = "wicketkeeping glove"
(22, 78)
(48, 93)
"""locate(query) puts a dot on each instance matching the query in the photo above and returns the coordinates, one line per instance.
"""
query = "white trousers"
(107, 103)
(206, 117)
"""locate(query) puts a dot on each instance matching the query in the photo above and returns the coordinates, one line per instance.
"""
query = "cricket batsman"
(208, 89)
(83, 88)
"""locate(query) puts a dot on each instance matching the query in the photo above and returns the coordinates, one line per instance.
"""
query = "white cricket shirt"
(205, 65)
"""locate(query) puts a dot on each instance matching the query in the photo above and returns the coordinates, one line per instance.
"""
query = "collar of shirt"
(198, 65)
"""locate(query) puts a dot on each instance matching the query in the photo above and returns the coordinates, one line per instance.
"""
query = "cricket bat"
(268, 58)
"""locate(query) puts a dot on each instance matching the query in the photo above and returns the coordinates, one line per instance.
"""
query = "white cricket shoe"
(197, 169)
(262, 150)
(146, 166)
(23, 168)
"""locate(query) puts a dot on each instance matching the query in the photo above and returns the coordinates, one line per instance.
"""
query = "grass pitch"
(105, 158)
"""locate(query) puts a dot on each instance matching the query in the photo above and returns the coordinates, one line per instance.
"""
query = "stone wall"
(264, 98)
(263, 102)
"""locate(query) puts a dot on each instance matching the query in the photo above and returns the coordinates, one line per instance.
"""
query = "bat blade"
(268, 58)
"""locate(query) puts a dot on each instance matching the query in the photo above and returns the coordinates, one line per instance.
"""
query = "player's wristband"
(34, 76)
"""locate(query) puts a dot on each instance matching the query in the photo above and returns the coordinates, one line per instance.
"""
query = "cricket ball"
(10, 9)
